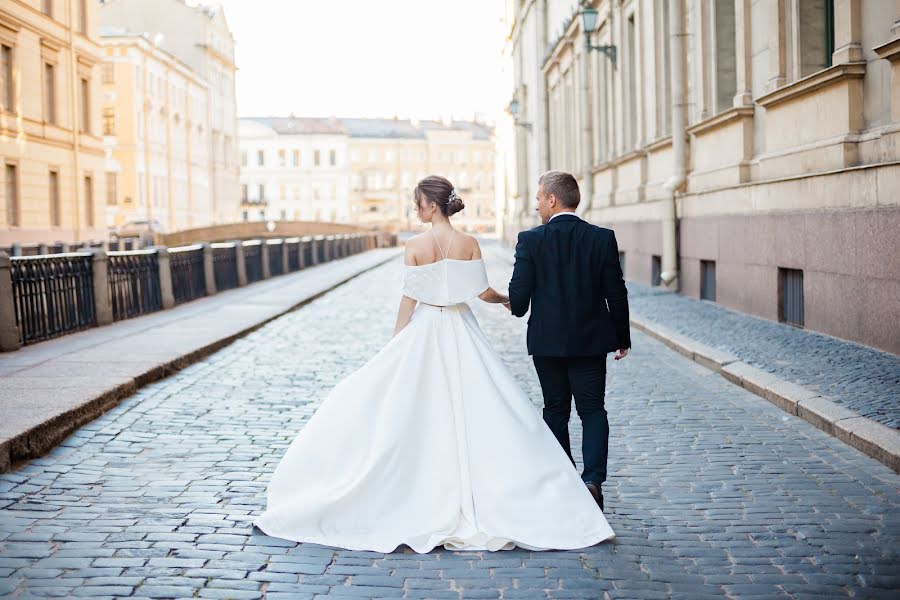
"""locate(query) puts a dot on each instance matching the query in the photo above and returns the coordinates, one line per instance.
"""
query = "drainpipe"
(677, 180)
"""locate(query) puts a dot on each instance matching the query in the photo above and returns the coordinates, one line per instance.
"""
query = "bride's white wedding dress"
(432, 442)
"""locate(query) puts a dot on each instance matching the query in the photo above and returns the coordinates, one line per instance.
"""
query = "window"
(83, 17)
(708, 280)
(7, 83)
(262, 191)
(12, 196)
(261, 158)
(332, 157)
(316, 158)
(47, 7)
(664, 83)
(815, 28)
(243, 158)
(389, 155)
(89, 200)
(631, 81)
(112, 191)
(283, 214)
(244, 192)
(109, 120)
(53, 198)
(49, 94)
(622, 261)
(790, 296)
(724, 68)
(108, 73)
(655, 270)
(282, 158)
(295, 158)
(245, 215)
(282, 192)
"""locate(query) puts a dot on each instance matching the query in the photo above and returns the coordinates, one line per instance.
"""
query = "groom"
(569, 271)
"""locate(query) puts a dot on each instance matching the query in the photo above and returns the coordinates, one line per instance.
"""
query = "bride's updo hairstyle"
(439, 190)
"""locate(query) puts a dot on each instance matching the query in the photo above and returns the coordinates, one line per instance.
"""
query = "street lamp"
(513, 109)
(589, 23)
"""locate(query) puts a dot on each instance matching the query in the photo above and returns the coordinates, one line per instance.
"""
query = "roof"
(368, 128)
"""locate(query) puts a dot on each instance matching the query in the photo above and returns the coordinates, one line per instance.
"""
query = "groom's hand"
(621, 353)
(508, 307)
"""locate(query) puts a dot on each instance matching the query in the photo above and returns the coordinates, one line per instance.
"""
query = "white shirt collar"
(565, 212)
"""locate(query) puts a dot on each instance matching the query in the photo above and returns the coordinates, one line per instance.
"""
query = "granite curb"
(17, 447)
(870, 437)
(866, 435)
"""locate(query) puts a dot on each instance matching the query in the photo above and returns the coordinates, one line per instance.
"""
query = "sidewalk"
(846, 389)
(49, 389)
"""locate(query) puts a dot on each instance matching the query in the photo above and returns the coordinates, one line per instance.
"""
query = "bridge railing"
(48, 295)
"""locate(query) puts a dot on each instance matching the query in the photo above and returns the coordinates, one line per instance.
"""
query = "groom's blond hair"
(563, 186)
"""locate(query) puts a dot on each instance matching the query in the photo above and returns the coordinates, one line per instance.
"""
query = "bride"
(432, 442)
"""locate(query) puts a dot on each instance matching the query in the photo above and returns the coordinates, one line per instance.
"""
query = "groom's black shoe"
(596, 493)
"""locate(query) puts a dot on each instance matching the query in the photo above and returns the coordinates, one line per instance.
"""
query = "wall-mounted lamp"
(513, 109)
(589, 23)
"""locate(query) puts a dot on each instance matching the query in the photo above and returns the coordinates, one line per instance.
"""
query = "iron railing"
(188, 278)
(308, 255)
(134, 283)
(52, 294)
(293, 250)
(276, 266)
(225, 265)
(253, 260)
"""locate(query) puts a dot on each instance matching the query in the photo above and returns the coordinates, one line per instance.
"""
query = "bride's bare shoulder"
(470, 245)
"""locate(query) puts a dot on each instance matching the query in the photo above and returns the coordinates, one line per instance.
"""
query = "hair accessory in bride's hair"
(453, 195)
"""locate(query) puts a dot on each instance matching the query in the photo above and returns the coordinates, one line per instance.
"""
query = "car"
(138, 228)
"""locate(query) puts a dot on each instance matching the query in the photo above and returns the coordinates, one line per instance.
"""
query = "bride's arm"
(489, 295)
(407, 304)
(404, 313)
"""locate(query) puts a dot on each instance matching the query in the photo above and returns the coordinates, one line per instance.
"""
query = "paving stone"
(710, 490)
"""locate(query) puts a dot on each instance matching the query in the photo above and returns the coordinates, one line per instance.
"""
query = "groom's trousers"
(585, 378)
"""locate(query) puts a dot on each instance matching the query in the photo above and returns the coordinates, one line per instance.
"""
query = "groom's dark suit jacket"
(569, 271)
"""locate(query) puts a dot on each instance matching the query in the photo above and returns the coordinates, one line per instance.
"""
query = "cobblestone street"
(713, 492)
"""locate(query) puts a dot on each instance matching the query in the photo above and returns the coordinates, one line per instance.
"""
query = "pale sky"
(368, 58)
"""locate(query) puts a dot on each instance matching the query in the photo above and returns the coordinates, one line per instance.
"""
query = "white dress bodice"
(445, 282)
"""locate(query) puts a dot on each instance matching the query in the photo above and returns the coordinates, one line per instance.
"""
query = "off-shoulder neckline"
(443, 259)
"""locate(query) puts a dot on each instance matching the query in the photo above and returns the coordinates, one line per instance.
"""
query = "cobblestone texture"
(862, 379)
(713, 492)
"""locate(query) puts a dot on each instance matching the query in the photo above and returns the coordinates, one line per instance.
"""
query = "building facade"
(294, 169)
(187, 42)
(745, 152)
(52, 176)
(156, 127)
(362, 171)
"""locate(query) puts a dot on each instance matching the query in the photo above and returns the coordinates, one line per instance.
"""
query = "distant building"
(52, 179)
(362, 170)
(156, 127)
(783, 200)
(294, 169)
(185, 157)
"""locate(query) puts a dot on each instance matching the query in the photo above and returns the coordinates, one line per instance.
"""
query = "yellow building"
(389, 156)
(51, 156)
(156, 128)
(363, 170)
(189, 47)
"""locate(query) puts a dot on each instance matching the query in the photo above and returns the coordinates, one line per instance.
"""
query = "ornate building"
(156, 128)
(52, 176)
(362, 170)
(745, 152)
(183, 74)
